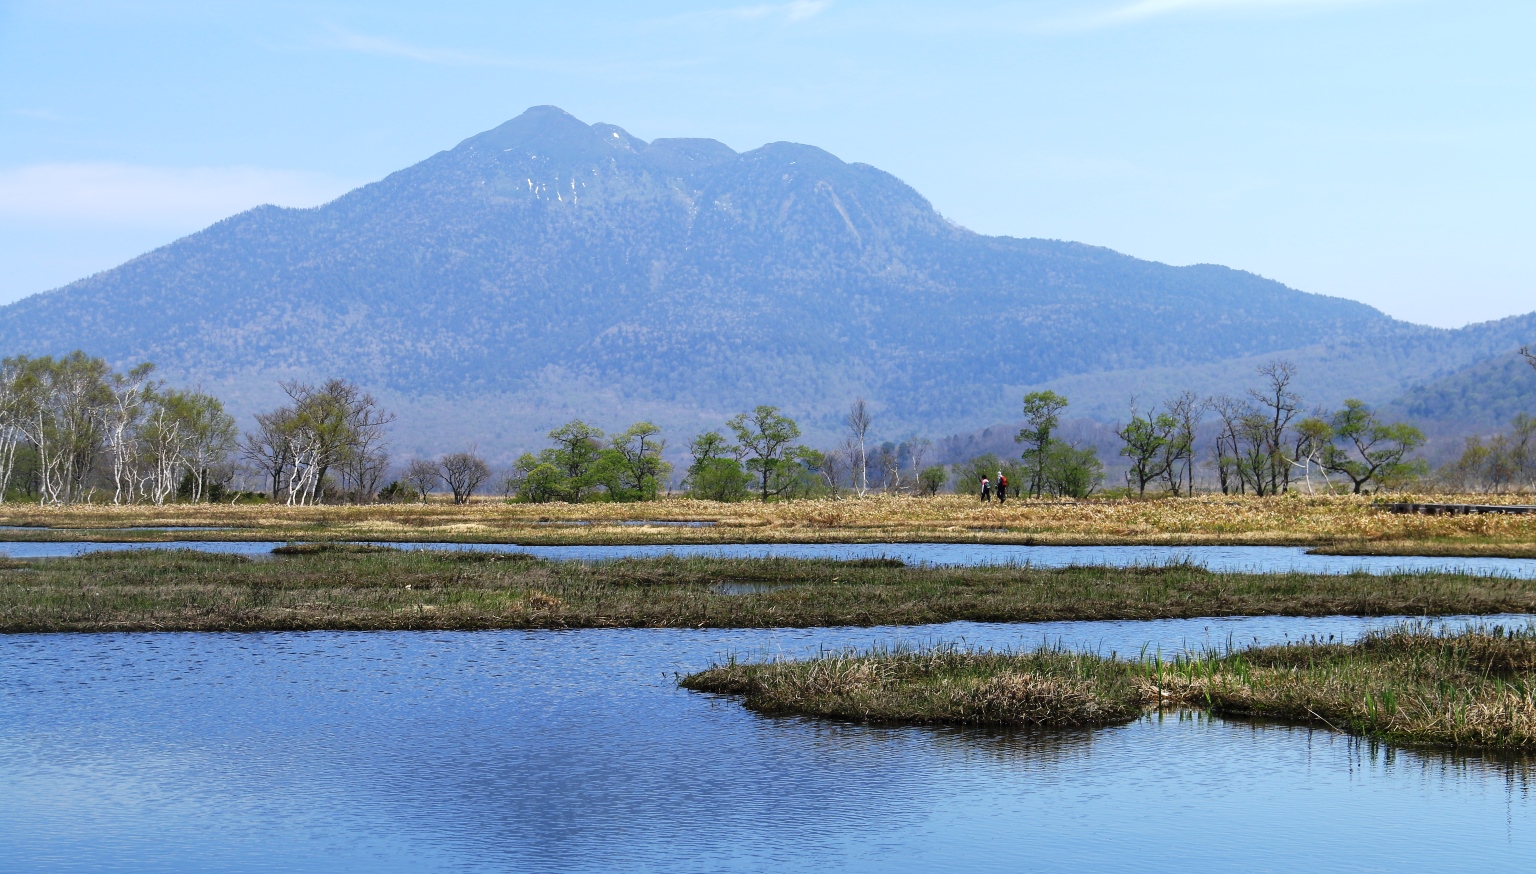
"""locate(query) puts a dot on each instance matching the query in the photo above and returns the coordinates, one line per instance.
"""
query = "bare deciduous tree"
(834, 464)
(269, 448)
(1186, 412)
(1280, 404)
(858, 422)
(12, 421)
(423, 476)
(337, 425)
(130, 393)
(464, 472)
(918, 448)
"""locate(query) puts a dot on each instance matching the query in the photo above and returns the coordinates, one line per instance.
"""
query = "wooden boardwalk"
(1459, 509)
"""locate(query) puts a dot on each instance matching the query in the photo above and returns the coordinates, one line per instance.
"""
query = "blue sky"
(1379, 150)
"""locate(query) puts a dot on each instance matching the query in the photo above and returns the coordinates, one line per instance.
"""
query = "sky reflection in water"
(1264, 559)
(574, 751)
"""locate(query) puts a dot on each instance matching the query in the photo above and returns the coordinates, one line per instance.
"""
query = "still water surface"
(575, 751)
(1264, 559)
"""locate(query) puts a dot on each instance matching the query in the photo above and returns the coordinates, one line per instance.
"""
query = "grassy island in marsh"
(1333, 523)
(1471, 689)
(336, 586)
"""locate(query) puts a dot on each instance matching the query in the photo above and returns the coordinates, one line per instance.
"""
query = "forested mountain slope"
(549, 268)
(1484, 397)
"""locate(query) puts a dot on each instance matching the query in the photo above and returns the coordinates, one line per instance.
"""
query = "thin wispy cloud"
(119, 194)
(392, 48)
(388, 47)
(796, 10)
(792, 12)
(39, 114)
(1142, 10)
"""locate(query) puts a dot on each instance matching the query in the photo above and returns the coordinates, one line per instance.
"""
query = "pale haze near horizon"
(1369, 149)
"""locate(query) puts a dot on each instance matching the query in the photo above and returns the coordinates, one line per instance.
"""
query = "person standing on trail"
(1002, 487)
(986, 490)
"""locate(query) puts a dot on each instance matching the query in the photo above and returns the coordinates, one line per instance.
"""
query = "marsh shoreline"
(1411, 686)
(1337, 525)
(339, 587)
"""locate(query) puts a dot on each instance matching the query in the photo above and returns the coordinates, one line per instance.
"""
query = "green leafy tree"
(801, 476)
(716, 473)
(931, 480)
(213, 439)
(538, 481)
(1042, 413)
(1365, 450)
(1146, 439)
(636, 463)
(61, 405)
(576, 455)
(1072, 472)
(397, 492)
(767, 440)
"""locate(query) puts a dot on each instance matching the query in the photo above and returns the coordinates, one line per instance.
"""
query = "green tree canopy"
(1042, 413)
(1367, 450)
(767, 439)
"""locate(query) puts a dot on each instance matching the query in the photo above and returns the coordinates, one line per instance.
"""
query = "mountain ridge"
(547, 267)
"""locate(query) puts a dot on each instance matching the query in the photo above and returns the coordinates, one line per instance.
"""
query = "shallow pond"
(1216, 558)
(575, 751)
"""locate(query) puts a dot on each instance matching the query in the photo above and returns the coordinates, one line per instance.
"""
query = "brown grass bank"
(324, 587)
(1337, 521)
(1473, 689)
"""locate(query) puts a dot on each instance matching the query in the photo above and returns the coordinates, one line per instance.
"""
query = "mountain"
(1482, 398)
(548, 269)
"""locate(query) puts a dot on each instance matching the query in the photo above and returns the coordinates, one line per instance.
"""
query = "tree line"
(1264, 442)
(1504, 462)
(73, 429)
(1261, 442)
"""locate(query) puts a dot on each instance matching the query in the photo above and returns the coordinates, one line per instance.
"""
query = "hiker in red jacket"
(1002, 487)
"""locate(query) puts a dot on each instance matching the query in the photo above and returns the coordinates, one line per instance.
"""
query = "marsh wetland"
(775, 689)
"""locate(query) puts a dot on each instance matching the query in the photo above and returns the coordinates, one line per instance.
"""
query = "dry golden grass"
(1345, 523)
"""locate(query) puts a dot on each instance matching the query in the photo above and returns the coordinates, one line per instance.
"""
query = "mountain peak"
(552, 130)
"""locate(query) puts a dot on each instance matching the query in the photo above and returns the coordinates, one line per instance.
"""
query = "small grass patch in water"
(1431, 549)
(944, 684)
(1411, 685)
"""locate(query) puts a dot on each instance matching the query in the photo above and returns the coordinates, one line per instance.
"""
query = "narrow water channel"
(1258, 559)
(575, 751)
